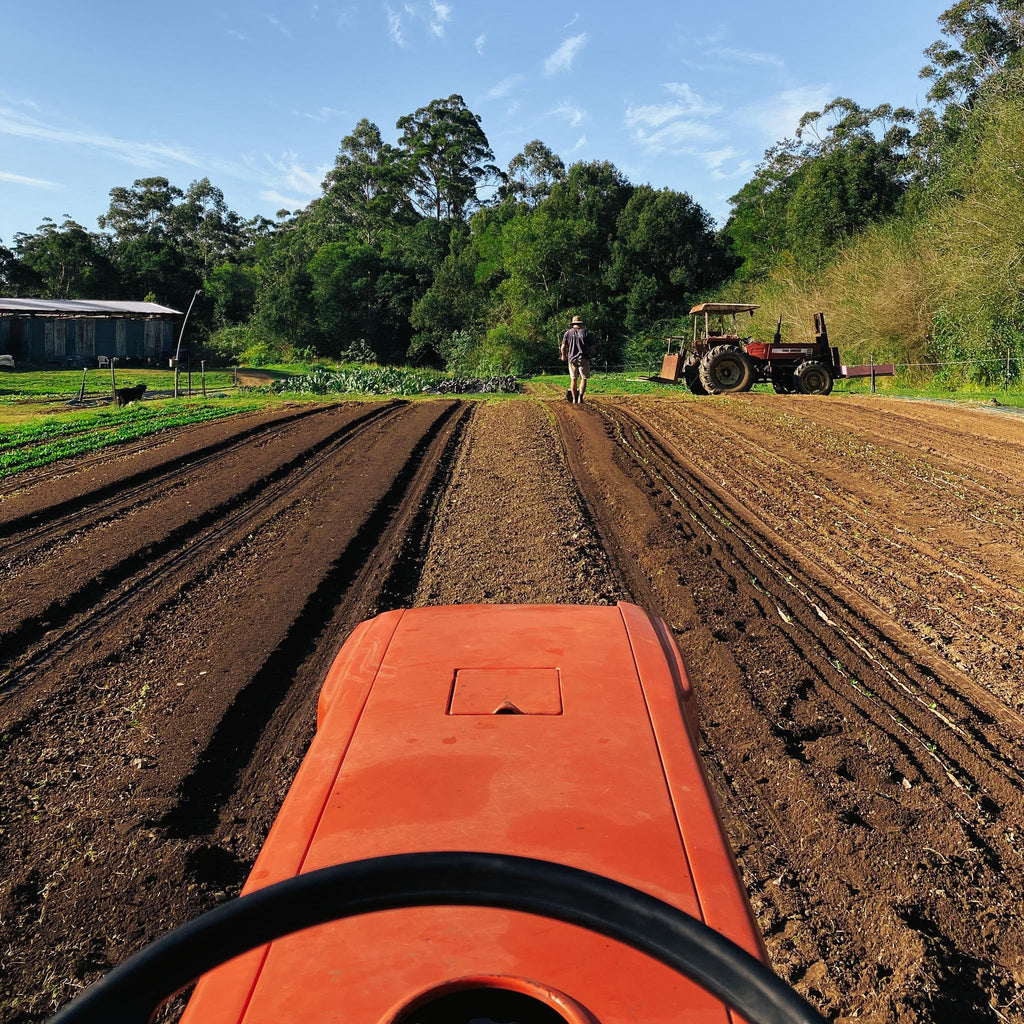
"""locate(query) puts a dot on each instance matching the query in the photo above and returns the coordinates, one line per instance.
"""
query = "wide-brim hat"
(577, 320)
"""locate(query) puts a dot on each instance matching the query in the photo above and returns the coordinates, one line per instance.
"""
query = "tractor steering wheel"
(133, 991)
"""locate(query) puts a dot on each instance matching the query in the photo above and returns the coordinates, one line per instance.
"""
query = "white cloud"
(676, 136)
(715, 158)
(655, 115)
(740, 171)
(141, 154)
(777, 117)
(580, 143)
(479, 43)
(323, 114)
(276, 22)
(748, 57)
(435, 15)
(395, 27)
(503, 88)
(570, 113)
(725, 164)
(562, 58)
(235, 34)
(21, 179)
(693, 102)
(296, 178)
(442, 15)
(282, 201)
(674, 125)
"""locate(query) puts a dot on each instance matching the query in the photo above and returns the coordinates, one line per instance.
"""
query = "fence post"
(872, 373)
(202, 370)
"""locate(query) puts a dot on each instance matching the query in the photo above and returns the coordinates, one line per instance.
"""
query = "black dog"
(122, 396)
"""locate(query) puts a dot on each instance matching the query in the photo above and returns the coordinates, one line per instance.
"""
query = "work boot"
(569, 396)
(579, 398)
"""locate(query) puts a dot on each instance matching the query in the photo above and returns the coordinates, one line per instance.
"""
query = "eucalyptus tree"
(532, 174)
(846, 167)
(367, 190)
(448, 158)
(65, 262)
(979, 57)
(983, 37)
(165, 240)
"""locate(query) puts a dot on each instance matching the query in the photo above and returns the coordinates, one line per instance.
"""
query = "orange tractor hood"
(561, 733)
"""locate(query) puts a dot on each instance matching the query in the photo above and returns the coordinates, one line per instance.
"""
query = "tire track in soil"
(99, 567)
(369, 575)
(901, 525)
(200, 693)
(42, 497)
(874, 821)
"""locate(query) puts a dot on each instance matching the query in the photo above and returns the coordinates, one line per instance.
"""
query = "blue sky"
(258, 95)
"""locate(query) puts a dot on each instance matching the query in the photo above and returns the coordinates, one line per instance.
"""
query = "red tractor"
(719, 361)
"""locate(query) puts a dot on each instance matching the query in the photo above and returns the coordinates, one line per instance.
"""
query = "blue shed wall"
(43, 339)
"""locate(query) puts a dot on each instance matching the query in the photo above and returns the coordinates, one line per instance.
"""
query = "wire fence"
(1013, 367)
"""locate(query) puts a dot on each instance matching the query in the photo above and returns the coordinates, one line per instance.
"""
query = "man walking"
(577, 346)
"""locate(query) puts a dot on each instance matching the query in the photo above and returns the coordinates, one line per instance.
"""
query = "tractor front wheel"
(726, 370)
(813, 378)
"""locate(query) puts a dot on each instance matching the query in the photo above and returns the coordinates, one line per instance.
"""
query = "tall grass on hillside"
(942, 286)
(875, 297)
(979, 252)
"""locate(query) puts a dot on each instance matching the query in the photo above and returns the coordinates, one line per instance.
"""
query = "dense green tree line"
(423, 250)
(426, 251)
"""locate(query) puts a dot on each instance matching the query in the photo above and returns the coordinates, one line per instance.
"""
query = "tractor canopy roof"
(724, 307)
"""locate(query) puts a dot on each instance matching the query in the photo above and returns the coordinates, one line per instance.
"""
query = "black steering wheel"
(133, 991)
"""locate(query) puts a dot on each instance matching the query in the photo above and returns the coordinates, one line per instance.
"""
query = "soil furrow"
(62, 492)
(842, 574)
(851, 765)
(97, 745)
(851, 656)
(178, 537)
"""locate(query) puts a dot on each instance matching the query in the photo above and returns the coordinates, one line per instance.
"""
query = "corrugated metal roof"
(724, 307)
(84, 307)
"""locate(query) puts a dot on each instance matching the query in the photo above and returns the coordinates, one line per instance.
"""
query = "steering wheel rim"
(134, 990)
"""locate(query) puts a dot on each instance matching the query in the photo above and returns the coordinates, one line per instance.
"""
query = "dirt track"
(844, 576)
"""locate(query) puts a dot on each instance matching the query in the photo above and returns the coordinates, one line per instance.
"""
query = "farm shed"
(75, 331)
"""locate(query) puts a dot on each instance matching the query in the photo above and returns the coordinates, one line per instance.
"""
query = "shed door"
(120, 338)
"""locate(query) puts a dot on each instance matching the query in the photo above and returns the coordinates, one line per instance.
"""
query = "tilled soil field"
(845, 577)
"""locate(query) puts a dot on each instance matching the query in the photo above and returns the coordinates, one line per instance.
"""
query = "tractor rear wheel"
(813, 378)
(726, 370)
